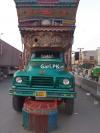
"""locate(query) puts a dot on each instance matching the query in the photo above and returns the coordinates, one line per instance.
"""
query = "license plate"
(41, 94)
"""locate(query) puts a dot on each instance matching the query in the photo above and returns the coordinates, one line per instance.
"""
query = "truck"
(95, 73)
(9, 59)
(47, 30)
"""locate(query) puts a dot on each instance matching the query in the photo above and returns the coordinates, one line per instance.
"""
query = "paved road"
(86, 117)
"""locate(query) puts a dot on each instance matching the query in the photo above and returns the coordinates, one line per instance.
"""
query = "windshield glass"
(47, 55)
(47, 64)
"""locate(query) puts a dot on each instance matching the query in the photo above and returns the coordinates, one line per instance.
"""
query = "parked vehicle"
(1, 75)
(95, 73)
(9, 58)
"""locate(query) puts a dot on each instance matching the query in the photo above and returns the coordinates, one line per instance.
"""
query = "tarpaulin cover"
(40, 123)
(40, 107)
(40, 116)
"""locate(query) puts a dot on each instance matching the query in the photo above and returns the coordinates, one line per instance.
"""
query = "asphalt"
(86, 117)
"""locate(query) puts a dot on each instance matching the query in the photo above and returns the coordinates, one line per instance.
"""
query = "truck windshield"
(47, 55)
(47, 64)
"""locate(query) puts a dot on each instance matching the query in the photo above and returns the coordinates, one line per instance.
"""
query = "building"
(89, 57)
(98, 56)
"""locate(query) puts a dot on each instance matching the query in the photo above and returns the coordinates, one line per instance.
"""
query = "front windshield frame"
(47, 55)
(47, 65)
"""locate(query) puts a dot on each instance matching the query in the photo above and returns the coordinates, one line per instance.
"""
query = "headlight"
(19, 80)
(65, 81)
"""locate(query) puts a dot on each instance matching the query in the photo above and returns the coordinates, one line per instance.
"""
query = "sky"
(86, 35)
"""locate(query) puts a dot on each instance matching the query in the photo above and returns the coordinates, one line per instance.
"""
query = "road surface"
(86, 117)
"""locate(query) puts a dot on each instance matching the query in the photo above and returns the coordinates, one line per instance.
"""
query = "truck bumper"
(50, 92)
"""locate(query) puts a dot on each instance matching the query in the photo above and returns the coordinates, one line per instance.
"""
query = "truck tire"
(17, 102)
(69, 106)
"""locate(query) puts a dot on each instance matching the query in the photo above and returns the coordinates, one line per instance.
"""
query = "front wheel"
(69, 106)
(18, 102)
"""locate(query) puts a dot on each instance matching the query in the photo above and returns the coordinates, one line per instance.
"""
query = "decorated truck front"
(45, 76)
(47, 29)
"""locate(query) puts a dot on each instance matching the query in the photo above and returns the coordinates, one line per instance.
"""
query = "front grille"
(25, 80)
(57, 82)
(42, 81)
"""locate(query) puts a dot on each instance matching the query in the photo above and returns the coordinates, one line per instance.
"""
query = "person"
(89, 73)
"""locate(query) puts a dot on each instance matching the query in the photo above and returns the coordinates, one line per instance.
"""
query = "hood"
(46, 67)
(49, 72)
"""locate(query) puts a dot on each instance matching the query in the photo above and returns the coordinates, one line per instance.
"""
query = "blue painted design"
(25, 116)
(52, 120)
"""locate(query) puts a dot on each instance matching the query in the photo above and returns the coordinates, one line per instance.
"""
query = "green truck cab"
(95, 74)
(45, 76)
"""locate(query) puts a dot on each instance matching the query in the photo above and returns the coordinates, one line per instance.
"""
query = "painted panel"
(47, 1)
(47, 39)
(30, 13)
(70, 3)
(47, 22)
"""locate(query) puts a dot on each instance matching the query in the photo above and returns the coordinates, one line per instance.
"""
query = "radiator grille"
(42, 81)
(25, 80)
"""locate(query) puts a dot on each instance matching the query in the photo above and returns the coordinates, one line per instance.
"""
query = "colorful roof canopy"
(36, 14)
